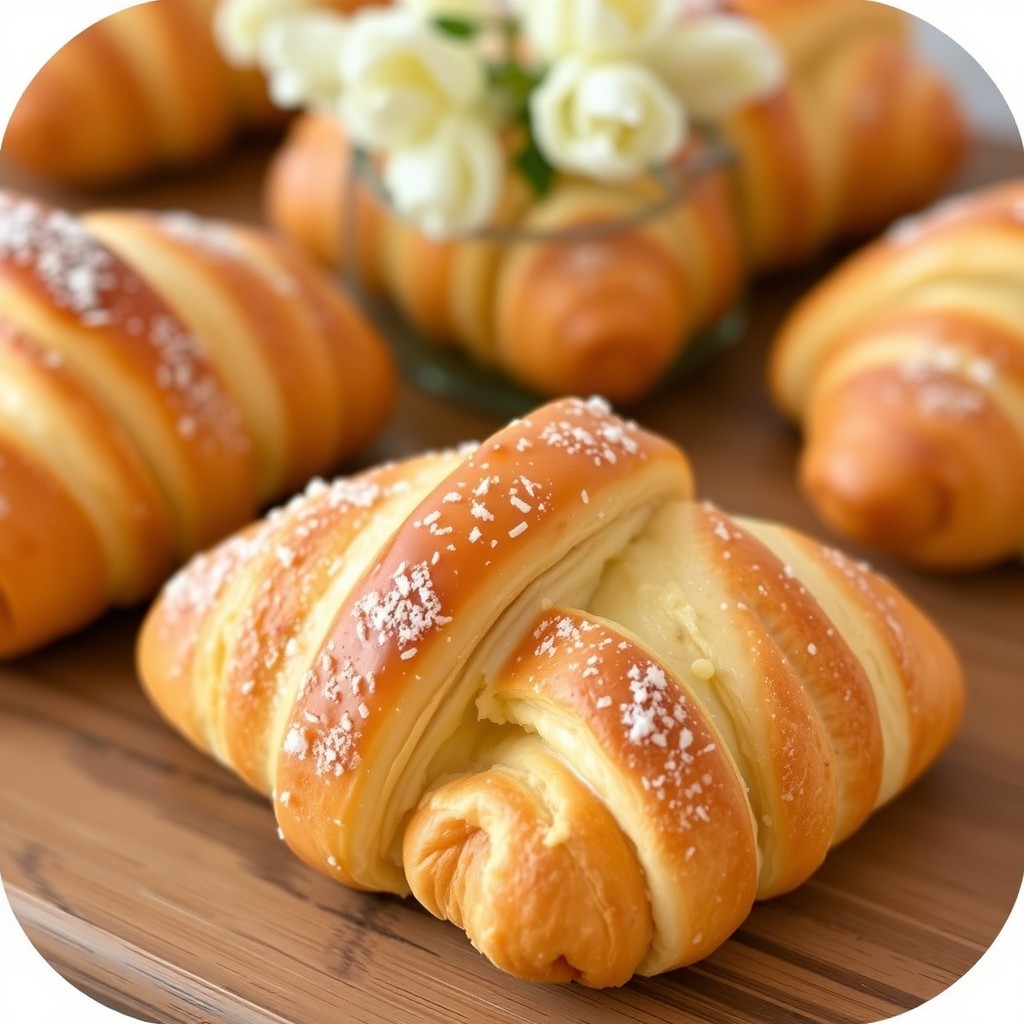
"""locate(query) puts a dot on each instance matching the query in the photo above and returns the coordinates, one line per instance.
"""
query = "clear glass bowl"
(448, 371)
(451, 374)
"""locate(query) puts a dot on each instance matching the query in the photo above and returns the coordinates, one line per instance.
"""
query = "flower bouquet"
(528, 125)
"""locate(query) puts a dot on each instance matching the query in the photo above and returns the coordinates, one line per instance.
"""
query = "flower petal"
(607, 120)
(452, 182)
(238, 25)
(401, 76)
(718, 63)
(301, 55)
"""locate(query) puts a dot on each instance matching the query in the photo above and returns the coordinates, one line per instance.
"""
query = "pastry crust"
(905, 368)
(170, 376)
(537, 674)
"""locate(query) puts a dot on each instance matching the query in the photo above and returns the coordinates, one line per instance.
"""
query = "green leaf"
(509, 87)
(460, 28)
(532, 164)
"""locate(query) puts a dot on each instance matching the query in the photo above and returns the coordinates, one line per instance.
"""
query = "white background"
(992, 32)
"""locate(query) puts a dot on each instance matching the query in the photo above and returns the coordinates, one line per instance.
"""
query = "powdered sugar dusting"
(652, 711)
(301, 547)
(215, 236)
(296, 742)
(406, 612)
(195, 588)
(949, 382)
(334, 750)
(73, 267)
(604, 442)
(81, 275)
(489, 484)
(183, 370)
(347, 493)
(653, 720)
(333, 747)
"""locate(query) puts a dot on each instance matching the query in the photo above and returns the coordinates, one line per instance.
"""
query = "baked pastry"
(606, 313)
(533, 682)
(161, 378)
(905, 368)
(864, 131)
(144, 90)
(860, 132)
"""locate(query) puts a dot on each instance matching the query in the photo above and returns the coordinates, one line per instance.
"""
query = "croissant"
(863, 132)
(905, 367)
(605, 313)
(161, 378)
(534, 683)
(144, 90)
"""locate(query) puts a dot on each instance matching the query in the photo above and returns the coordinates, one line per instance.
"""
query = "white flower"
(452, 182)
(717, 63)
(595, 28)
(402, 78)
(238, 25)
(471, 10)
(607, 120)
(301, 54)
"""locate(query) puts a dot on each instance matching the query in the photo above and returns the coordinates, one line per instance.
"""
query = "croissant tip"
(877, 498)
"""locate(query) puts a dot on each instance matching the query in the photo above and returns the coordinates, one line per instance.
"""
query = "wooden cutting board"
(155, 881)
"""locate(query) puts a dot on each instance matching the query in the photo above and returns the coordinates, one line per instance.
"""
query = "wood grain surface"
(154, 880)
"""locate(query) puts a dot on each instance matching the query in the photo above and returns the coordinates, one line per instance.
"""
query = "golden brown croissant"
(146, 89)
(906, 369)
(863, 131)
(160, 378)
(534, 683)
(860, 132)
(607, 314)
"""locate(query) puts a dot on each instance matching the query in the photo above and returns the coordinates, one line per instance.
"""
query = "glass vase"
(647, 276)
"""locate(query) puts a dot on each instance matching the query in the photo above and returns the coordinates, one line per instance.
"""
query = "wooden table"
(153, 879)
